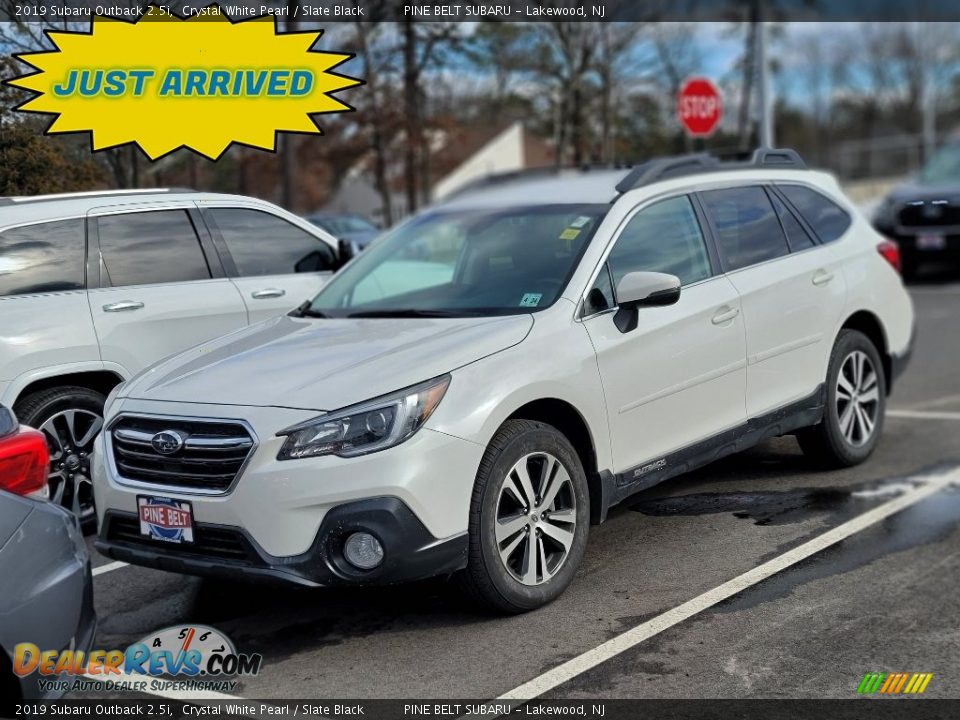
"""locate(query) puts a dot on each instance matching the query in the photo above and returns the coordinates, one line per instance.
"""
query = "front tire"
(71, 417)
(529, 519)
(856, 402)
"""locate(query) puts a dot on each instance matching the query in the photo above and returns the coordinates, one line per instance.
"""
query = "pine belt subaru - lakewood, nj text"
(473, 391)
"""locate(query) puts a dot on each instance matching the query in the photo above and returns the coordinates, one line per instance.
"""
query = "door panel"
(272, 295)
(678, 378)
(275, 264)
(156, 294)
(792, 292)
(790, 308)
(161, 320)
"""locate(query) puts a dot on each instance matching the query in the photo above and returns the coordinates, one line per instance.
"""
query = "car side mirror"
(643, 289)
(345, 252)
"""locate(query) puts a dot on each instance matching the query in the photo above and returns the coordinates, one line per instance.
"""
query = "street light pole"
(764, 95)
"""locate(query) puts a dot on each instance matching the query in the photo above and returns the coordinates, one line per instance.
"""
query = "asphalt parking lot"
(886, 598)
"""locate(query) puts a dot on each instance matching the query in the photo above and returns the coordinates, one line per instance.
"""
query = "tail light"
(891, 253)
(23, 463)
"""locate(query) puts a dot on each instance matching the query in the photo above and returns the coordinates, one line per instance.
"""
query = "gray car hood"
(324, 364)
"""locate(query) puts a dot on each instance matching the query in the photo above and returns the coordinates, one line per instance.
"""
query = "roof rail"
(677, 166)
(546, 171)
(18, 199)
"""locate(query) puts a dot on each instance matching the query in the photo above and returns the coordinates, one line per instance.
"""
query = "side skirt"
(615, 488)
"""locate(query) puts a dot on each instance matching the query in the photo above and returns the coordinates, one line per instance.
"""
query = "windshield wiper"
(409, 312)
(304, 310)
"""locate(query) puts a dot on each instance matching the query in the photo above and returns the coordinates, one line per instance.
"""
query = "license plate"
(165, 519)
(931, 242)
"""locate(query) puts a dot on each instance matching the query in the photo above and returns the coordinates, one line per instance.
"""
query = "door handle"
(822, 277)
(725, 314)
(268, 293)
(123, 306)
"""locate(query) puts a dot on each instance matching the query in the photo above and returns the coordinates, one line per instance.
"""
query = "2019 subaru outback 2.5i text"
(483, 383)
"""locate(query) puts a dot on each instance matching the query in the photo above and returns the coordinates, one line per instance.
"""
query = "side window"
(828, 220)
(797, 237)
(748, 231)
(145, 248)
(664, 237)
(42, 258)
(264, 244)
(600, 297)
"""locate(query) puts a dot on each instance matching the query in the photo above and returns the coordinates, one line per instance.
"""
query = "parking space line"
(929, 485)
(108, 568)
(923, 415)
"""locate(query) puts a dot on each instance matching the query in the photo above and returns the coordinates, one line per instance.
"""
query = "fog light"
(363, 550)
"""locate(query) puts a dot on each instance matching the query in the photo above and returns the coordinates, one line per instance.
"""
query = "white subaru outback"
(472, 392)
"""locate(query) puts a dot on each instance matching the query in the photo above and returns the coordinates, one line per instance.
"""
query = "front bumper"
(411, 552)
(278, 517)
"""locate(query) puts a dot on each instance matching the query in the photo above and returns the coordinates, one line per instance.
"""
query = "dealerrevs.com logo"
(899, 683)
(198, 657)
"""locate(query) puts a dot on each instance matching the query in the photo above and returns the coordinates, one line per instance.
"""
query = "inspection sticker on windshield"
(530, 299)
(580, 221)
(569, 234)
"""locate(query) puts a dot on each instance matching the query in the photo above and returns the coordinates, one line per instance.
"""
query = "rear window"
(146, 248)
(748, 231)
(42, 258)
(828, 220)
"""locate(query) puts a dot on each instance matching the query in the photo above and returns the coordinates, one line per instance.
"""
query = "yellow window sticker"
(569, 234)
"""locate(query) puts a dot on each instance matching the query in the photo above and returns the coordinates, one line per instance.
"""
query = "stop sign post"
(699, 107)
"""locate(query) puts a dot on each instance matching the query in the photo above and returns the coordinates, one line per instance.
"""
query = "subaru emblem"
(167, 442)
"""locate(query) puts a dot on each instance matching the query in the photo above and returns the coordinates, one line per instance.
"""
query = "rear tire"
(70, 417)
(856, 402)
(529, 519)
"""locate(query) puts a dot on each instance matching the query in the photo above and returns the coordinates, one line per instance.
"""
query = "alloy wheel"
(536, 518)
(70, 435)
(858, 398)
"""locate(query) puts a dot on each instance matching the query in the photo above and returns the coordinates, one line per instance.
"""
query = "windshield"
(944, 167)
(340, 224)
(465, 262)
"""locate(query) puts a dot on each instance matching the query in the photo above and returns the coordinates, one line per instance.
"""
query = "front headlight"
(365, 428)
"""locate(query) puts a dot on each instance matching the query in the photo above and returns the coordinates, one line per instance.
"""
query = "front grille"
(213, 542)
(929, 214)
(212, 455)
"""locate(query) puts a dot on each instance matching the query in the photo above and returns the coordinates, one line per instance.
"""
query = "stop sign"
(699, 107)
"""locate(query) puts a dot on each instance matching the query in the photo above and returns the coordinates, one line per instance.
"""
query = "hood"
(319, 364)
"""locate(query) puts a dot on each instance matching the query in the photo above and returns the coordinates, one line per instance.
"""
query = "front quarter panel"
(555, 361)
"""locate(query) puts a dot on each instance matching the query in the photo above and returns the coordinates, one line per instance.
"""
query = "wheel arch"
(568, 420)
(869, 324)
(102, 381)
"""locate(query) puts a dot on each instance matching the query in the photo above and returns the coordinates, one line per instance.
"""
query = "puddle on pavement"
(763, 507)
(777, 507)
(930, 521)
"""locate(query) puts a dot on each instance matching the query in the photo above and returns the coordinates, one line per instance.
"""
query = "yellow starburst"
(166, 83)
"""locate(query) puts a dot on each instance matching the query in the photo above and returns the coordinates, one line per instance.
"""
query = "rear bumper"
(907, 242)
(410, 551)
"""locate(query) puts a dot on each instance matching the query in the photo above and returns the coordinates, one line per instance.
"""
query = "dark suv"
(923, 215)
